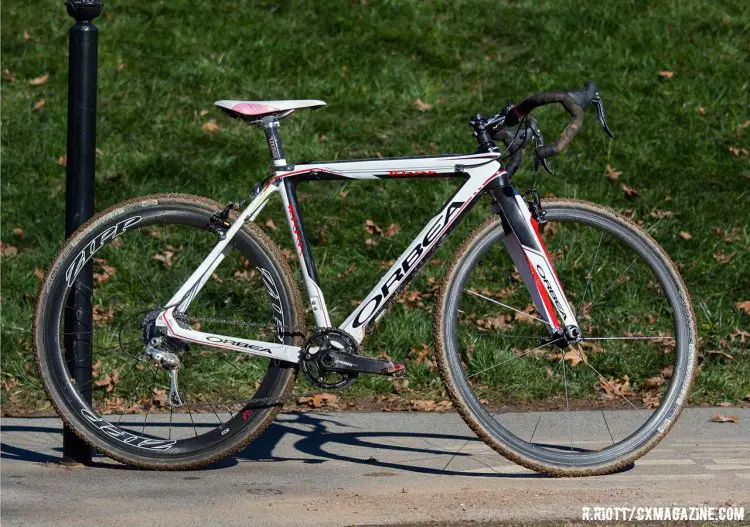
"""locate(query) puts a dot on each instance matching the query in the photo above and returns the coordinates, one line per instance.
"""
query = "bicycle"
(500, 325)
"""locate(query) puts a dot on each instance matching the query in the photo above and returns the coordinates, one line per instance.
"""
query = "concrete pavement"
(363, 468)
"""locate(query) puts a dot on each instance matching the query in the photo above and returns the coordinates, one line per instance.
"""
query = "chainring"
(314, 356)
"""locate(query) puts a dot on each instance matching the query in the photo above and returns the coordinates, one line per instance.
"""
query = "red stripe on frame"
(535, 224)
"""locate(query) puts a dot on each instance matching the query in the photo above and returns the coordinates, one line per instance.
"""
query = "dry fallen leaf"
(686, 235)
(732, 235)
(616, 388)
(423, 405)
(719, 353)
(7, 250)
(18, 233)
(423, 353)
(372, 228)
(387, 264)
(100, 314)
(651, 399)
(159, 399)
(665, 74)
(741, 334)
(107, 271)
(492, 323)
(575, 356)
(165, 258)
(210, 126)
(38, 273)
(422, 106)
(369, 242)
(319, 400)
(120, 66)
(526, 314)
(8, 75)
(718, 418)
(26, 35)
(612, 174)
(722, 257)
(630, 192)
(412, 298)
(392, 230)
(744, 306)
(39, 105)
(62, 161)
(271, 225)
(659, 214)
(245, 274)
(701, 110)
(38, 81)
(738, 152)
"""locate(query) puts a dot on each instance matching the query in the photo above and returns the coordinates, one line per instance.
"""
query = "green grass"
(371, 61)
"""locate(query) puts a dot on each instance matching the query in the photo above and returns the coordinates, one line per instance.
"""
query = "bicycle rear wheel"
(141, 252)
(587, 409)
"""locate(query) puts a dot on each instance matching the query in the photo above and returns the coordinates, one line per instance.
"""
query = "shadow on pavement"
(316, 444)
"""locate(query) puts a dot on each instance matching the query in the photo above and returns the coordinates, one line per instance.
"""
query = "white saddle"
(253, 110)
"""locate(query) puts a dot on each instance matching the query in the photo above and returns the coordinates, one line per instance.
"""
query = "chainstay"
(261, 402)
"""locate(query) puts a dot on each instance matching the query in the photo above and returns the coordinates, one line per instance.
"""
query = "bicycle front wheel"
(592, 408)
(140, 252)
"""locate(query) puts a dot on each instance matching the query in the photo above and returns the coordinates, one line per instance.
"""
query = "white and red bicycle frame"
(481, 172)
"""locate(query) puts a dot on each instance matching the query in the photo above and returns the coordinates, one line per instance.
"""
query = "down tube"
(429, 239)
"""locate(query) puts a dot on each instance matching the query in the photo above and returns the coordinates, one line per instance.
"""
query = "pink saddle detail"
(246, 108)
(255, 110)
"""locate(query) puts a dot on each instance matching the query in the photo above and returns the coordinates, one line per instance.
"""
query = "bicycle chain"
(261, 402)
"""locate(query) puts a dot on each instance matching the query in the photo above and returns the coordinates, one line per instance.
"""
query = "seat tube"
(532, 260)
(271, 129)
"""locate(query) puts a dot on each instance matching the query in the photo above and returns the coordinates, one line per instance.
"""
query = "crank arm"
(348, 363)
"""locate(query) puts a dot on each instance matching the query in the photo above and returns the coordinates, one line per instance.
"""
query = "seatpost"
(271, 129)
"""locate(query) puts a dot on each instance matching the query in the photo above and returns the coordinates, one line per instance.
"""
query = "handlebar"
(574, 102)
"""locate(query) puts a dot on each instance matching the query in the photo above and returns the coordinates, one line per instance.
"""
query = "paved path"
(363, 468)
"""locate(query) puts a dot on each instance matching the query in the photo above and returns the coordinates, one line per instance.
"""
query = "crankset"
(330, 360)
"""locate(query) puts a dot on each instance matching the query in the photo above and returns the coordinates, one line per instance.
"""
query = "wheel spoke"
(591, 271)
(635, 337)
(615, 283)
(587, 363)
(514, 357)
(504, 305)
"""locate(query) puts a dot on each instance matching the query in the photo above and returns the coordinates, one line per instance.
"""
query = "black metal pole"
(79, 199)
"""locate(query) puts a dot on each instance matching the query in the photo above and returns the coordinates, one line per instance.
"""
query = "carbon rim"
(212, 429)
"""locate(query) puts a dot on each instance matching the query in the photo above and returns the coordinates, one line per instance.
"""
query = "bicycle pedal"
(347, 363)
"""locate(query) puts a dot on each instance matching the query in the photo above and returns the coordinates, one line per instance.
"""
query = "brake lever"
(601, 116)
(539, 141)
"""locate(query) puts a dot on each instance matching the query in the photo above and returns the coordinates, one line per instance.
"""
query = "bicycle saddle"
(252, 111)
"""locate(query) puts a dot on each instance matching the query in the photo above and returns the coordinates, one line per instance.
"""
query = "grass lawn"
(400, 78)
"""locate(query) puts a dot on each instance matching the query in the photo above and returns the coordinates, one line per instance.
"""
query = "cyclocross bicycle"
(563, 333)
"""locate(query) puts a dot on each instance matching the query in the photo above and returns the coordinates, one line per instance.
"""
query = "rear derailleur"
(158, 351)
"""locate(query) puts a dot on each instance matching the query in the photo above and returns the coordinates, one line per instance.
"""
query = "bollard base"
(75, 450)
